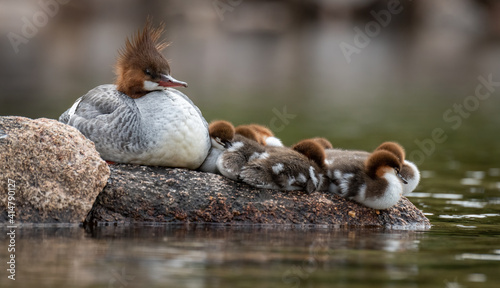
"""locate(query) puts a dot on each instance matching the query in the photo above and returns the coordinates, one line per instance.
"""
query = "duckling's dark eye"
(398, 173)
(148, 72)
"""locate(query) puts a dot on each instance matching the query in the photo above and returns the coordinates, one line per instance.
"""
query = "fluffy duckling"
(409, 173)
(323, 142)
(221, 136)
(242, 151)
(376, 179)
(287, 169)
(314, 149)
(260, 134)
(272, 167)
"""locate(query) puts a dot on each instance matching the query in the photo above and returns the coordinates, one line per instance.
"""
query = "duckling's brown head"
(323, 142)
(249, 132)
(262, 130)
(141, 67)
(312, 150)
(394, 148)
(222, 132)
(381, 162)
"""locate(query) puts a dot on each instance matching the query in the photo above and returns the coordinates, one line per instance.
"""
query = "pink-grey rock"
(56, 171)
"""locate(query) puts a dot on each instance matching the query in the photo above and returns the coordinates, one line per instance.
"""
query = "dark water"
(459, 192)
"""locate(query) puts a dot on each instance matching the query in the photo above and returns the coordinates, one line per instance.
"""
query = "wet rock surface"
(145, 194)
(54, 172)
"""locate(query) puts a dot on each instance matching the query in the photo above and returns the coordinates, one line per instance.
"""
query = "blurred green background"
(357, 72)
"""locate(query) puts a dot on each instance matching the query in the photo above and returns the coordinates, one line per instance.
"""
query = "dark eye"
(148, 72)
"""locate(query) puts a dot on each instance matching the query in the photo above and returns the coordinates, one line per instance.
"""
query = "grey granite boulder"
(146, 194)
(50, 170)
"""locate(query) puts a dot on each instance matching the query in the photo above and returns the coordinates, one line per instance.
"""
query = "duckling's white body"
(162, 128)
(210, 163)
(412, 175)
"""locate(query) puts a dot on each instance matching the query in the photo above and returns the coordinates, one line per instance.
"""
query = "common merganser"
(260, 134)
(314, 149)
(141, 119)
(221, 136)
(270, 167)
(377, 180)
(242, 151)
(409, 171)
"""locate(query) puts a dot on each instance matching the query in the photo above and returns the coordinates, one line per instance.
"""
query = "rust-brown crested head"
(141, 67)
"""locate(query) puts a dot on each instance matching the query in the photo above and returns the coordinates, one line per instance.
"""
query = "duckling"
(250, 133)
(373, 179)
(260, 134)
(287, 169)
(242, 151)
(221, 136)
(142, 119)
(323, 142)
(409, 173)
(272, 167)
(314, 149)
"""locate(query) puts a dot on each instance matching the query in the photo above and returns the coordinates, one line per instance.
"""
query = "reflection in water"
(190, 256)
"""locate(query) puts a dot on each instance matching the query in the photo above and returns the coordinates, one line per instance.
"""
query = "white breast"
(174, 130)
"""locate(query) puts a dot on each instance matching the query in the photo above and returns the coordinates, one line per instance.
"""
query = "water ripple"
(490, 257)
(467, 204)
(467, 216)
(470, 181)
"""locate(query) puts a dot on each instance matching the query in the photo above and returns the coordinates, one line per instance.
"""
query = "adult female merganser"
(221, 136)
(260, 134)
(141, 119)
(377, 180)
